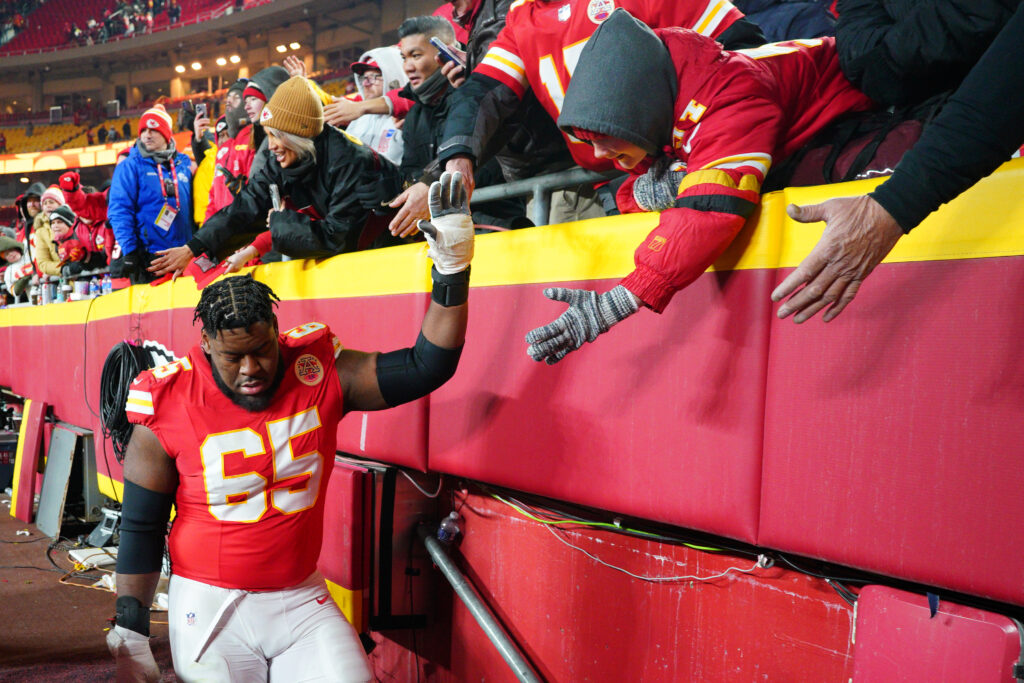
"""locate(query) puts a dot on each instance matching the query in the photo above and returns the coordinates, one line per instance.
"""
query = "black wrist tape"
(450, 290)
(144, 516)
(408, 374)
(132, 615)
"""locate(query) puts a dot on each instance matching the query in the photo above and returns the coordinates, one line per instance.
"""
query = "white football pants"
(297, 634)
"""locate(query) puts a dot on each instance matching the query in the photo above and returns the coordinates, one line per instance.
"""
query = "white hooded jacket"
(378, 131)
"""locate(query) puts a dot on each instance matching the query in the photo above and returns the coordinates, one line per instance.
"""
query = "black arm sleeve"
(144, 516)
(477, 112)
(408, 374)
(977, 130)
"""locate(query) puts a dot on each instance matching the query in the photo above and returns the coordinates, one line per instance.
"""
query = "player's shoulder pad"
(144, 390)
(308, 334)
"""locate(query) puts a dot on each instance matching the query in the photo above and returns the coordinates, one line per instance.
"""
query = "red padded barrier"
(899, 640)
(345, 554)
(26, 464)
(660, 418)
(893, 435)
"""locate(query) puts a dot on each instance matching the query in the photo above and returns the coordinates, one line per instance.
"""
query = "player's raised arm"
(373, 381)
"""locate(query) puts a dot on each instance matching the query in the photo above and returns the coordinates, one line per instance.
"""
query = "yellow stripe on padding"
(986, 221)
(19, 459)
(111, 488)
(350, 602)
(748, 182)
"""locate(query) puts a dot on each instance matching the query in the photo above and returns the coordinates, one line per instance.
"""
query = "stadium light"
(234, 59)
(180, 68)
(23, 179)
(196, 66)
(281, 48)
(293, 45)
(221, 61)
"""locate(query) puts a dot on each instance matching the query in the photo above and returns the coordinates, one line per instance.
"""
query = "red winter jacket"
(736, 113)
(234, 157)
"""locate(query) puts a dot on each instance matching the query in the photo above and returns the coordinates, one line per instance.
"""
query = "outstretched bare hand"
(858, 234)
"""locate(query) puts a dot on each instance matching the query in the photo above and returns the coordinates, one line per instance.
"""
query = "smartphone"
(447, 54)
(201, 110)
(275, 196)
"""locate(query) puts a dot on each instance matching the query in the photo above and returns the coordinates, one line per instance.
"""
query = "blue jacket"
(136, 200)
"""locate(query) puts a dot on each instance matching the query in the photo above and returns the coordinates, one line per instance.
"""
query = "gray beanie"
(624, 85)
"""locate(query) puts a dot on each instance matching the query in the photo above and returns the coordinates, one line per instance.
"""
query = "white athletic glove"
(449, 232)
(135, 663)
(589, 315)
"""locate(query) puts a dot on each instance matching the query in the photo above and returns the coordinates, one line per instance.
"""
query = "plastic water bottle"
(94, 287)
(60, 298)
(107, 286)
(448, 530)
(46, 293)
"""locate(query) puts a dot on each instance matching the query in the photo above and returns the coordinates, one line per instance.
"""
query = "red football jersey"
(251, 485)
(542, 41)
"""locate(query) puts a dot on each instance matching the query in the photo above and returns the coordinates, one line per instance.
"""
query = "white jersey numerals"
(243, 497)
(302, 330)
(549, 76)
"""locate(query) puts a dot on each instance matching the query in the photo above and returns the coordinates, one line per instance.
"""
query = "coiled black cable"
(123, 364)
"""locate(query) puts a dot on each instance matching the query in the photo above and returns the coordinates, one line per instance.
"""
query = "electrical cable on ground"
(551, 521)
(763, 562)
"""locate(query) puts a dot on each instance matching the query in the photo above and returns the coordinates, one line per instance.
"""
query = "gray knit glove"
(589, 314)
(657, 189)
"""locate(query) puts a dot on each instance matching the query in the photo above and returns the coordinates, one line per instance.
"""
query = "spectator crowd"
(125, 19)
(14, 17)
(289, 171)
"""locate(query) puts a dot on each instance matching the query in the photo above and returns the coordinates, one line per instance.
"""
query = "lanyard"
(174, 177)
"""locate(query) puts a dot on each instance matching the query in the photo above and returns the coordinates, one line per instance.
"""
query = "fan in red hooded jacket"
(74, 253)
(727, 115)
(91, 209)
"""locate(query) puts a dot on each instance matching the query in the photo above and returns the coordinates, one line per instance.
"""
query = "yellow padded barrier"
(985, 222)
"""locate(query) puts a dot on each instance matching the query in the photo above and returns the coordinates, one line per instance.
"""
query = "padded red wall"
(580, 621)
(660, 419)
(893, 434)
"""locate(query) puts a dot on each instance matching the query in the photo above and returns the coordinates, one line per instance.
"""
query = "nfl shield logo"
(190, 619)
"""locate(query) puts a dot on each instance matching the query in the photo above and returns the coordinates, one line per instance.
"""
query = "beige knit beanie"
(294, 108)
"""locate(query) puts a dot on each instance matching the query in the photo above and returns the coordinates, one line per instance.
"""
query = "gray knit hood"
(268, 79)
(624, 85)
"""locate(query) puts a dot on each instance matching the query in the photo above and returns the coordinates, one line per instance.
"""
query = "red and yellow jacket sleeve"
(731, 150)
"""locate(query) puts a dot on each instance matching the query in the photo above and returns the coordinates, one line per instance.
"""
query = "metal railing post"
(501, 640)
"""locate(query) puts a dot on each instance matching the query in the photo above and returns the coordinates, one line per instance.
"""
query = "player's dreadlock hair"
(235, 302)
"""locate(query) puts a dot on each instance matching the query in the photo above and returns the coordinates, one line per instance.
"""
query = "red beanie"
(253, 90)
(157, 119)
(588, 135)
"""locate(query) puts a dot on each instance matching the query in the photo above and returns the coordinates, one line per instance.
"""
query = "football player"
(240, 436)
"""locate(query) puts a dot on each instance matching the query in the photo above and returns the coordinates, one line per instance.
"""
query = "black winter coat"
(328, 204)
(905, 51)
(421, 134)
